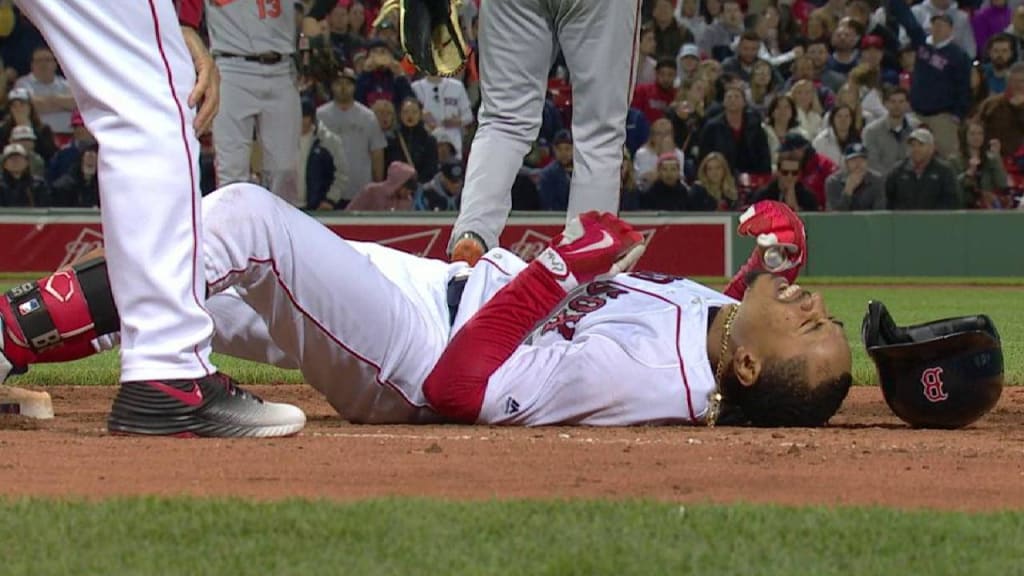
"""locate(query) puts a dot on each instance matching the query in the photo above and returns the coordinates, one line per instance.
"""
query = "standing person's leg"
(599, 39)
(280, 126)
(516, 43)
(131, 75)
(233, 126)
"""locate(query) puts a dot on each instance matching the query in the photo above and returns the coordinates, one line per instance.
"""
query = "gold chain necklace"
(715, 398)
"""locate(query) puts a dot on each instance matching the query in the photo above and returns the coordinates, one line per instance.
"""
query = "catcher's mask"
(942, 374)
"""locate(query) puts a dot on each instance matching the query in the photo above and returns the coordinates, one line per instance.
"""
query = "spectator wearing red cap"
(872, 53)
(667, 193)
(68, 155)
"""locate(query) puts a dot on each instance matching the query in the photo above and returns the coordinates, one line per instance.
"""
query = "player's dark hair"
(783, 397)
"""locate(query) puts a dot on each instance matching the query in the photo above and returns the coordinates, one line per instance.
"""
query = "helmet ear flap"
(878, 327)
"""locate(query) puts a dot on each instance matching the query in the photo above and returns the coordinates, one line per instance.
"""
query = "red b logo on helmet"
(931, 379)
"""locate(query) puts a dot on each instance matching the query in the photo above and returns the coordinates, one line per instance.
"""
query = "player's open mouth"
(786, 292)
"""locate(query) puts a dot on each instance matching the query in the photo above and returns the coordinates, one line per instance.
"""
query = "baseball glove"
(431, 34)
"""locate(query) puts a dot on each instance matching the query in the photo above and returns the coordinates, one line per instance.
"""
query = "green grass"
(849, 303)
(405, 536)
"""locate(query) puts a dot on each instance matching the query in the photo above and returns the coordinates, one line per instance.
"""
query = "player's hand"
(206, 93)
(592, 245)
(775, 225)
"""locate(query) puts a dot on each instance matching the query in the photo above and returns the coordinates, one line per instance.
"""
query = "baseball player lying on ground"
(388, 337)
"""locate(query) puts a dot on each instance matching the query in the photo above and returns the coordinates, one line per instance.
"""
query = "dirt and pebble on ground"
(866, 457)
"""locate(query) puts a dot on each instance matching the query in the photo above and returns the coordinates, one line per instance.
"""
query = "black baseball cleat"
(213, 406)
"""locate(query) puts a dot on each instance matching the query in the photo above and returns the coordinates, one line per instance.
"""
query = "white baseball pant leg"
(131, 73)
(365, 323)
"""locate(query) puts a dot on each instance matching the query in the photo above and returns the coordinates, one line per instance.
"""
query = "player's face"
(782, 321)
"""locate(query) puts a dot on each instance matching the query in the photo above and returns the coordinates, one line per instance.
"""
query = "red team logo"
(931, 379)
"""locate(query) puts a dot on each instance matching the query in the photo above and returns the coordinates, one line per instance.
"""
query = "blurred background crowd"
(824, 105)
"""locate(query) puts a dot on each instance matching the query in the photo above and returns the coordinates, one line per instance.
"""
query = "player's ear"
(747, 366)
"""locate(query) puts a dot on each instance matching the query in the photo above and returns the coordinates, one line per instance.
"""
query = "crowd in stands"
(821, 104)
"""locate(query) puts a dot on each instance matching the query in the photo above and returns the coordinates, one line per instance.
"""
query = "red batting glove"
(592, 245)
(781, 244)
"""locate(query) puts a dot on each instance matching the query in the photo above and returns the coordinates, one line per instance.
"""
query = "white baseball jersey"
(366, 324)
(630, 350)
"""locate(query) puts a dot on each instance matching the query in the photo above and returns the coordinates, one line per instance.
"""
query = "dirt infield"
(867, 457)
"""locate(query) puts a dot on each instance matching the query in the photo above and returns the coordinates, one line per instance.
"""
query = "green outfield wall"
(911, 244)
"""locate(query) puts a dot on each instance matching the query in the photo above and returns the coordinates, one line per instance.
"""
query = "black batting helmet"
(942, 374)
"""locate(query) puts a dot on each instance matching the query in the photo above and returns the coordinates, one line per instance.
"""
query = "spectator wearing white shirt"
(445, 105)
(51, 95)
